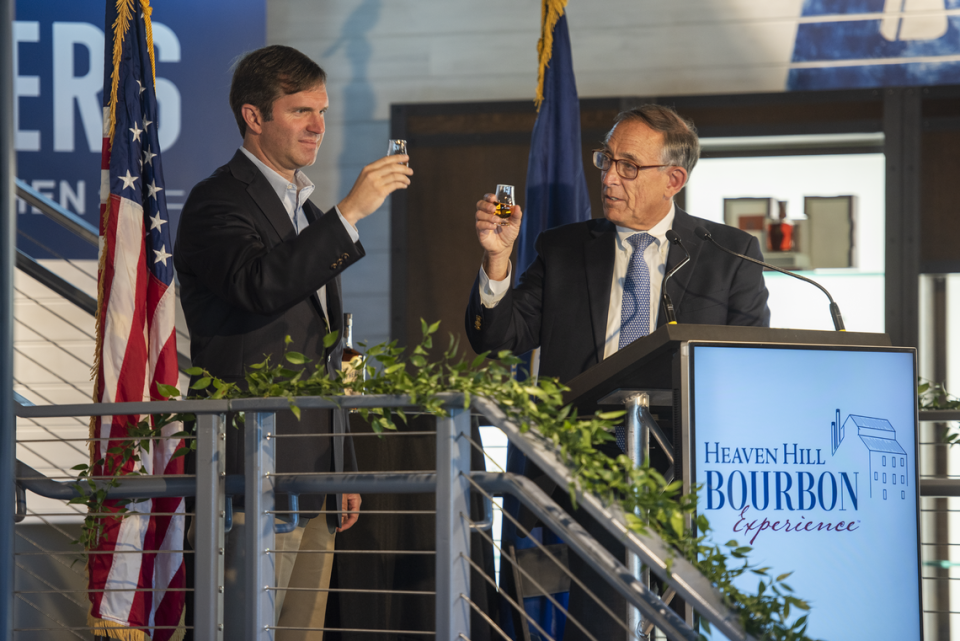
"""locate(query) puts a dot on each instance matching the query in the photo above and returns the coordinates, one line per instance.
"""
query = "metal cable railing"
(452, 512)
(58, 345)
(529, 577)
(61, 215)
(450, 481)
(937, 488)
(86, 275)
(486, 485)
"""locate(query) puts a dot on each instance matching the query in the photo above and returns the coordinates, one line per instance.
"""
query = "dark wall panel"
(459, 153)
(442, 251)
(940, 189)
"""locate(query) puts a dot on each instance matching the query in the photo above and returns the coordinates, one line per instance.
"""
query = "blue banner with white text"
(58, 103)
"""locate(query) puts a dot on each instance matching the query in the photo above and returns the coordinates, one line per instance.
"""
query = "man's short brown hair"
(264, 75)
(681, 147)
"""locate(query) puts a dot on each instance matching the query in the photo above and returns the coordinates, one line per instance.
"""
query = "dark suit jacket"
(560, 303)
(247, 281)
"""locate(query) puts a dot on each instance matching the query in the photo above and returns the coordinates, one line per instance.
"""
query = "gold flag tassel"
(551, 11)
(114, 630)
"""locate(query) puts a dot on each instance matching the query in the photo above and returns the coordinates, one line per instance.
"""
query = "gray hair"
(681, 147)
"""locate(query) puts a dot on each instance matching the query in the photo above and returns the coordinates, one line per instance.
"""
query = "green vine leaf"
(167, 391)
(934, 396)
(296, 358)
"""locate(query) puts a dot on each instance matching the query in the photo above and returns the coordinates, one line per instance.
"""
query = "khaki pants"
(294, 608)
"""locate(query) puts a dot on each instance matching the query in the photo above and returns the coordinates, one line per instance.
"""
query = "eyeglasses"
(627, 170)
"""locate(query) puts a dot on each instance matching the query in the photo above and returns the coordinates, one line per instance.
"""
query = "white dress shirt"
(655, 256)
(293, 196)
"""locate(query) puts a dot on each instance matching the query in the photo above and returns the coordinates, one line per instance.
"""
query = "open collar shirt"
(293, 195)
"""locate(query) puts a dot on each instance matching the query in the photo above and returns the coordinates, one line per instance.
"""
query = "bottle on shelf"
(780, 230)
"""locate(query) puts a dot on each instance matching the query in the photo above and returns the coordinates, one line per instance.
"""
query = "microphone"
(834, 308)
(667, 303)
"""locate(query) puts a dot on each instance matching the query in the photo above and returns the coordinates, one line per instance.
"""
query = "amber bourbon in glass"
(504, 202)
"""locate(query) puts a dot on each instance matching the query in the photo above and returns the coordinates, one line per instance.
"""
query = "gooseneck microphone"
(834, 308)
(665, 297)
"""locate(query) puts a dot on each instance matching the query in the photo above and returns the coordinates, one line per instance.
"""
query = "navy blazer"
(560, 303)
(247, 281)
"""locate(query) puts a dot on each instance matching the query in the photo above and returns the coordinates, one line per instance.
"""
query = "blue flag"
(556, 195)
(556, 186)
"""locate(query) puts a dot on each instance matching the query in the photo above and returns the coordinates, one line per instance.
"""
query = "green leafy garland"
(934, 396)
(765, 614)
(92, 490)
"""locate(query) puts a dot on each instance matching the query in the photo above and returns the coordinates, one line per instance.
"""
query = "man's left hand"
(351, 503)
(378, 180)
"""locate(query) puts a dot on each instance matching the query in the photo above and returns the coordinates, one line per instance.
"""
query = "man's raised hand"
(378, 180)
(496, 238)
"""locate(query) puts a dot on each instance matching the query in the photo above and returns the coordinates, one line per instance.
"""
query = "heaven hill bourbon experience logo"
(799, 488)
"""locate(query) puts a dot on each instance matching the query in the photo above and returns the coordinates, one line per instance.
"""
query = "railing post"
(260, 465)
(453, 533)
(638, 449)
(8, 235)
(209, 511)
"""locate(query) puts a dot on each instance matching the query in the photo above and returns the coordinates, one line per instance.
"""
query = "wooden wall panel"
(940, 202)
(442, 254)
(460, 152)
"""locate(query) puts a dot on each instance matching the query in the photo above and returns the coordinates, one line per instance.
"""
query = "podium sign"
(809, 454)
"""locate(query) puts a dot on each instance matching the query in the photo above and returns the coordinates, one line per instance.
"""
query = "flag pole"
(8, 234)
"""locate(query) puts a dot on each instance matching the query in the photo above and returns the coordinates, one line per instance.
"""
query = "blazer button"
(333, 265)
(476, 323)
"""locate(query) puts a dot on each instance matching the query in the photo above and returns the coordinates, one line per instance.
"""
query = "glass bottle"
(352, 361)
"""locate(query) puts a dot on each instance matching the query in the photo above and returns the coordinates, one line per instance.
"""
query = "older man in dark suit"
(596, 286)
(258, 262)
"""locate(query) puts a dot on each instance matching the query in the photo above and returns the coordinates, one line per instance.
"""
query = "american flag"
(136, 343)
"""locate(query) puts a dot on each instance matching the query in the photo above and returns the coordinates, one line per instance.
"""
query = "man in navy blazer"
(258, 262)
(571, 282)
(578, 301)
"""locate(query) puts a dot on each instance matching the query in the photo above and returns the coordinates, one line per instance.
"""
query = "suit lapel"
(598, 255)
(683, 224)
(334, 300)
(266, 199)
(312, 212)
(334, 295)
(263, 195)
(335, 306)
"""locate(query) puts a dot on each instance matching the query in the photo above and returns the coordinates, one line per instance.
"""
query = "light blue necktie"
(635, 308)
